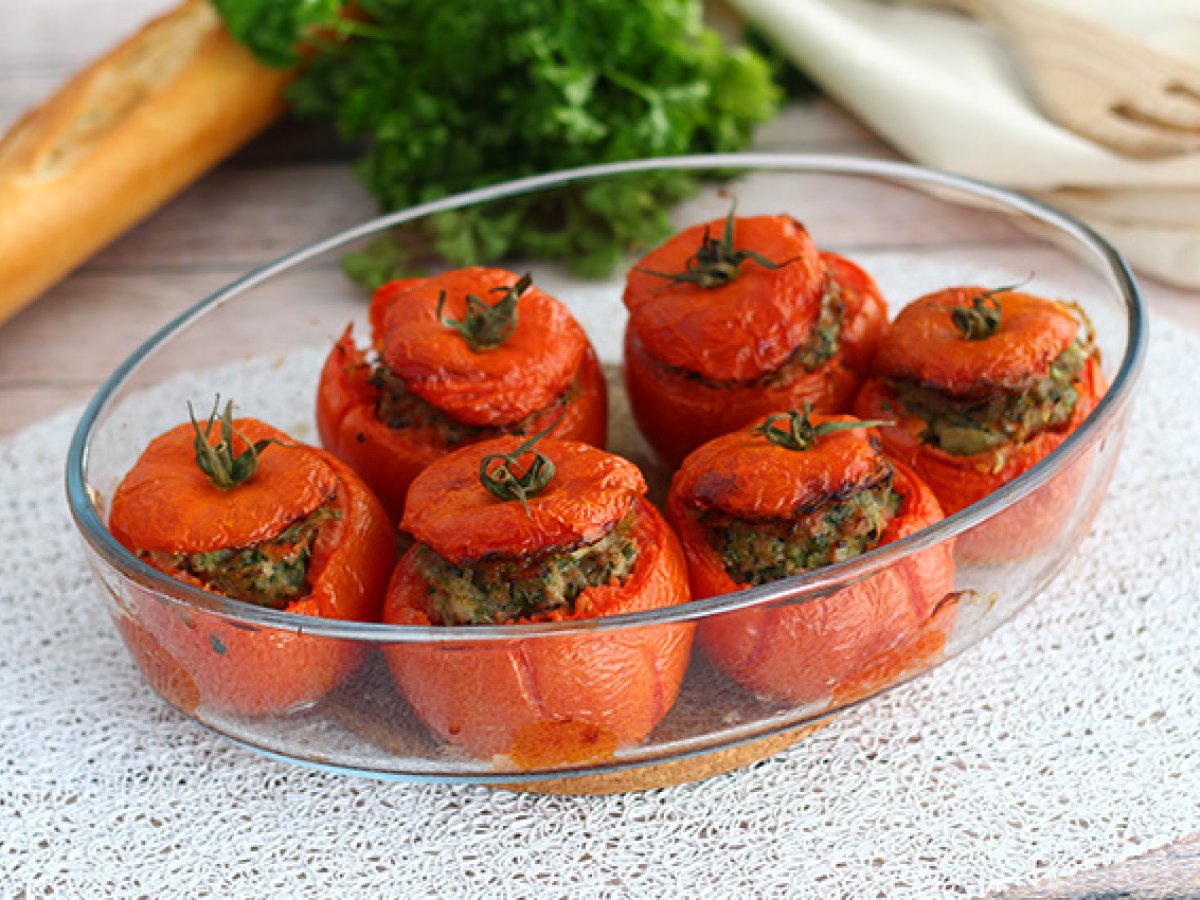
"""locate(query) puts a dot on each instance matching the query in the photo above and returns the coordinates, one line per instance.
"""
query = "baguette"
(120, 138)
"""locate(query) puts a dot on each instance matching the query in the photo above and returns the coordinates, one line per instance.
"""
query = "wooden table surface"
(286, 189)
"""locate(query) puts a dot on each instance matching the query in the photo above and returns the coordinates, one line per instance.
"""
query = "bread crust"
(120, 138)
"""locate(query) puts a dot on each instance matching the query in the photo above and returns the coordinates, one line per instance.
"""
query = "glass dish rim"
(801, 588)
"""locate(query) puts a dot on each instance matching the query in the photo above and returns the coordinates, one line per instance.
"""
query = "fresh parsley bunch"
(449, 95)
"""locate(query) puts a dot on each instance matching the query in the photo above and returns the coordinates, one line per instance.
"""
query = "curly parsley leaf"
(449, 95)
(381, 260)
(274, 29)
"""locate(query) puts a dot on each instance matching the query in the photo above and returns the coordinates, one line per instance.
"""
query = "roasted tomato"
(723, 330)
(795, 493)
(982, 385)
(456, 359)
(241, 510)
(510, 534)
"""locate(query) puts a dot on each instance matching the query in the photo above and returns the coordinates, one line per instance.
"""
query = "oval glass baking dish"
(262, 341)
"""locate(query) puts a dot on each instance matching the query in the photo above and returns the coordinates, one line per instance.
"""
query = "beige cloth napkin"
(942, 89)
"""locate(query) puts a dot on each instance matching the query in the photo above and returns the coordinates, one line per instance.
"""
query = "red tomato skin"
(676, 414)
(203, 663)
(804, 653)
(498, 386)
(924, 346)
(488, 697)
(959, 481)
(388, 459)
(741, 329)
(452, 511)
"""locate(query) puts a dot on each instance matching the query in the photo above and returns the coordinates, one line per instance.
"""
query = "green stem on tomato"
(799, 433)
(505, 478)
(486, 327)
(217, 461)
(715, 263)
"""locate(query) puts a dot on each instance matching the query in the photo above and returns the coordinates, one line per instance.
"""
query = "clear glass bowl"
(262, 341)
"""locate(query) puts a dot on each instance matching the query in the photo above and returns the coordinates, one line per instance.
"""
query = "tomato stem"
(505, 478)
(485, 327)
(715, 263)
(218, 461)
(981, 319)
(799, 433)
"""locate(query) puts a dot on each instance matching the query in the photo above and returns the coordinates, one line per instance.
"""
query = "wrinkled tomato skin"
(451, 510)
(676, 414)
(1031, 524)
(388, 459)
(516, 378)
(203, 663)
(742, 475)
(925, 346)
(488, 697)
(805, 653)
(739, 329)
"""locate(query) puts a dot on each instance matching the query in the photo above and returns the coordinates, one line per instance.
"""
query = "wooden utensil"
(1096, 81)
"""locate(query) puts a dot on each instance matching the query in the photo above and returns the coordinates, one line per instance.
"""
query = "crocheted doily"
(1064, 741)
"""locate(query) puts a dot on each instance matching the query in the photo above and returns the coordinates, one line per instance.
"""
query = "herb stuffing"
(272, 573)
(507, 590)
(760, 552)
(448, 95)
(399, 407)
(964, 426)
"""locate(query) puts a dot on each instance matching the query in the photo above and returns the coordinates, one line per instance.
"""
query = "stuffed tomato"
(241, 510)
(506, 533)
(459, 358)
(725, 329)
(792, 494)
(982, 385)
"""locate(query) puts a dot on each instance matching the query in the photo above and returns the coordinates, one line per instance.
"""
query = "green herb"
(758, 552)
(453, 94)
(716, 263)
(798, 433)
(217, 461)
(504, 590)
(273, 28)
(383, 259)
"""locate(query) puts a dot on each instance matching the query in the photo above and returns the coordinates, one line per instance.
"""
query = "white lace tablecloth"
(1064, 741)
